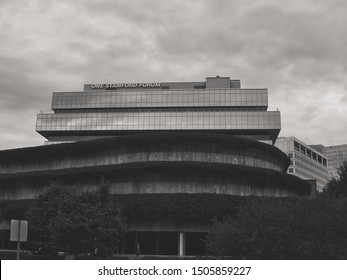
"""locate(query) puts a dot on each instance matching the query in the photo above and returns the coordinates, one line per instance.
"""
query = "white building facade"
(305, 162)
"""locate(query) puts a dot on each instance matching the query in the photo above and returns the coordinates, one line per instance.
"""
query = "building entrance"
(163, 243)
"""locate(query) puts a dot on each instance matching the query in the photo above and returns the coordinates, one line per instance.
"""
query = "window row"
(159, 126)
(309, 153)
(161, 91)
(265, 118)
(162, 110)
(305, 175)
(128, 99)
(323, 174)
(150, 113)
(309, 162)
(156, 120)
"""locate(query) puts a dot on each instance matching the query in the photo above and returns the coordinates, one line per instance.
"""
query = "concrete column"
(181, 244)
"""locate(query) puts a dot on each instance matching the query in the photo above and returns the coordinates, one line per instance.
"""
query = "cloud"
(296, 49)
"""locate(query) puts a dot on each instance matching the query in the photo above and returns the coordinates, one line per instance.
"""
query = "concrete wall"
(25, 173)
(202, 152)
(158, 177)
(26, 191)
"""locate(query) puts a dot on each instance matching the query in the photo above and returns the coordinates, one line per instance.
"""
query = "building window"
(314, 156)
(296, 146)
(303, 150)
(319, 159)
(290, 170)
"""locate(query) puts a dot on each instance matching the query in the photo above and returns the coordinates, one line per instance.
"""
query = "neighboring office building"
(336, 155)
(218, 105)
(306, 162)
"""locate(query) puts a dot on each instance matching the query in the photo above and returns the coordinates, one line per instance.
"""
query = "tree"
(275, 228)
(337, 187)
(79, 222)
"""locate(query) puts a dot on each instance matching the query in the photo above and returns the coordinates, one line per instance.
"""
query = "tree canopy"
(337, 187)
(78, 222)
(274, 228)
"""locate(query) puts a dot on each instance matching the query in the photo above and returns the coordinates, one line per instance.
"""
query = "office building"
(305, 162)
(189, 171)
(153, 141)
(217, 105)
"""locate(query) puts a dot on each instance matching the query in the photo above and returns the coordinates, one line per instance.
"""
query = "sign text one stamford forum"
(126, 85)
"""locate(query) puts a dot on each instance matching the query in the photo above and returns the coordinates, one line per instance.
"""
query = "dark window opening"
(147, 242)
(128, 244)
(168, 243)
(303, 150)
(150, 243)
(195, 244)
(319, 159)
(314, 156)
(296, 146)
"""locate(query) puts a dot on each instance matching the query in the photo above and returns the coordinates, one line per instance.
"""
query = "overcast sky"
(297, 49)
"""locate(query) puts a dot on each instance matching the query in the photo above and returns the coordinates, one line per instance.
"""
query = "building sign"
(125, 85)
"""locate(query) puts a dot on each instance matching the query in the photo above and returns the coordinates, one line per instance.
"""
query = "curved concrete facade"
(169, 147)
(161, 177)
(151, 163)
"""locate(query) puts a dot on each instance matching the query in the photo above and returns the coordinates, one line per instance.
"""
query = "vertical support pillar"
(18, 239)
(157, 244)
(181, 244)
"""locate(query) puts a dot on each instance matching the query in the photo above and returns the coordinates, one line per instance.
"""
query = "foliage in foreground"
(269, 228)
(337, 187)
(76, 222)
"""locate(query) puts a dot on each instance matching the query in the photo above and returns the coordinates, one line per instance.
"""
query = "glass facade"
(188, 120)
(102, 112)
(160, 98)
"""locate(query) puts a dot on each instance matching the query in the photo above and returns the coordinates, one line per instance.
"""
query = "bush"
(270, 228)
(337, 187)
